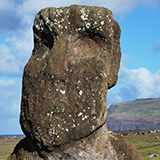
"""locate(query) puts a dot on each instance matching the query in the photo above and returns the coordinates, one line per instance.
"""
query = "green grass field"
(7, 145)
(146, 144)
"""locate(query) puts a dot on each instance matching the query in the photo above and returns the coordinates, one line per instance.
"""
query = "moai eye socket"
(43, 33)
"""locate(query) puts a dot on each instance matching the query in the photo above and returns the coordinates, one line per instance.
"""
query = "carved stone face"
(74, 62)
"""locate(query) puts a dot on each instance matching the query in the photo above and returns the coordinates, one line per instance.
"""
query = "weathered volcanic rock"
(75, 61)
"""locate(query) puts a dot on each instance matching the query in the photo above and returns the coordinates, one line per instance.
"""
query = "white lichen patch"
(67, 130)
(105, 75)
(44, 66)
(47, 20)
(84, 16)
(42, 28)
(84, 29)
(84, 117)
(67, 11)
(102, 22)
(62, 20)
(94, 117)
(63, 110)
(61, 11)
(60, 26)
(52, 112)
(52, 131)
(63, 91)
(80, 114)
(80, 92)
(88, 25)
(95, 23)
(57, 136)
(37, 26)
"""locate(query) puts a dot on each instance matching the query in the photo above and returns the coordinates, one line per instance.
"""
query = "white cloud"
(135, 84)
(10, 98)
(16, 52)
(8, 62)
(146, 83)
(9, 20)
(121, 7)
(6, 5)
(21, 42)
(6, 83)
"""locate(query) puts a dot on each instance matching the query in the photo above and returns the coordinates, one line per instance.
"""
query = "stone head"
(75, 61)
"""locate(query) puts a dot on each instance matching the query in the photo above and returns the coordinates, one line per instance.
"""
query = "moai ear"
(115, 53)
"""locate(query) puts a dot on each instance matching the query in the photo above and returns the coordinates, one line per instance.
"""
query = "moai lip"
(75, 61)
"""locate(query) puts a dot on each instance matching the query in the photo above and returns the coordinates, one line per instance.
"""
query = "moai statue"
(75, 60)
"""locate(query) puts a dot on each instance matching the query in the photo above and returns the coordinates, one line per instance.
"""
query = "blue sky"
(139, 75)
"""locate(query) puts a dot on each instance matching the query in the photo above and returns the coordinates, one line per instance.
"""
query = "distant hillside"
(141, 114)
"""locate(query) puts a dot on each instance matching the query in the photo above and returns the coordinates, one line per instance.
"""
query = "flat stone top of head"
(75, 61)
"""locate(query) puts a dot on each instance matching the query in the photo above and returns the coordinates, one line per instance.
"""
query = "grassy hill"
(141, 114)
